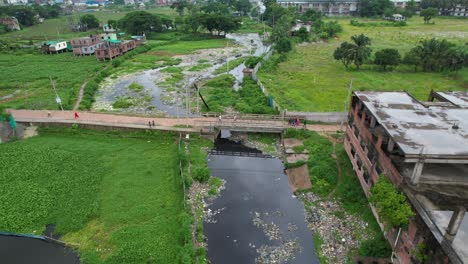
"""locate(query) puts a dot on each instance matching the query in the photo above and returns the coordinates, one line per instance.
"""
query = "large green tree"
(428, 14)
(357, 52)
(90, 21)
(243, 6)
(140, 21)
(180, 6)
(387, 57)
(220, 23)
(361, 52)
(438, 55)
(369, 8)
(344, 53)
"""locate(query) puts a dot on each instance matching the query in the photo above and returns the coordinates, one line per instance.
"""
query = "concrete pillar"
(417, 171)
(390, 145)
(372, 122)
(455, 222)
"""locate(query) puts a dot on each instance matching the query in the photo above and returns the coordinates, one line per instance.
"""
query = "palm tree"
(361, 50)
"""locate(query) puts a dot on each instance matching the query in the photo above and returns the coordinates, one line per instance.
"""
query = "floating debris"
(278, 254)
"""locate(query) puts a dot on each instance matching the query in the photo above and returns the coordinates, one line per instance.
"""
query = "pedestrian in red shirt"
(76, 115)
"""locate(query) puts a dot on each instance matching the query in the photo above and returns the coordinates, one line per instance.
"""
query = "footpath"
(125, 121)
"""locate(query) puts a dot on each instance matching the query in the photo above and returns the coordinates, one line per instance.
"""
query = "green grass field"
(25, 77)
(311, 80)
(118, 195)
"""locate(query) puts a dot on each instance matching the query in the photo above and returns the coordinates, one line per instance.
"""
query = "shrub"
(201, 174)
(294, 165)
(123, 102)
(323, 35)
(136, 87)
(393, 208)
(387, 57)
(375, 247)
(252, 62)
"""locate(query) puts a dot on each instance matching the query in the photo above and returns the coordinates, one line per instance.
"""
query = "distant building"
(422, 148)
(10, 22)
(109, 33)
(114, 48)
(15, 2)
(396, 18)
(54, 46)
(86, 45)
(458, 11)
(404, 3)
(331, 8)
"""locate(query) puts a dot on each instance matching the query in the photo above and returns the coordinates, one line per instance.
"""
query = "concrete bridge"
(209, 122)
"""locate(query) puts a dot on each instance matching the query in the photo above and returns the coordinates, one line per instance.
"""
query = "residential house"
(54, 46)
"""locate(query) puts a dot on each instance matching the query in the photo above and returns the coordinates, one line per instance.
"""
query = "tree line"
(431, 55)
(217, 17)
(28, 15)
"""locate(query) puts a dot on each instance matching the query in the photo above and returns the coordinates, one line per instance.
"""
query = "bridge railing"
(245, 116)
(260, 125)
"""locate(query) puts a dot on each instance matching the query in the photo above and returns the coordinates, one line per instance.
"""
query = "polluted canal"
(256, 218)
(22, 249)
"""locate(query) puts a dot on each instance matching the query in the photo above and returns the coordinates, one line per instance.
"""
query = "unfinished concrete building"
(422, 147)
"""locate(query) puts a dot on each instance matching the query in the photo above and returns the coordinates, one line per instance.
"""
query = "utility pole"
(187, 105)
(227, 61)
(350, 87)
(57, 97)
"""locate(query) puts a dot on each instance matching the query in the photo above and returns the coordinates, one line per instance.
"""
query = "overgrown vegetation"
(219, 94)
(25, 79)
(101, 190)
(394, 209)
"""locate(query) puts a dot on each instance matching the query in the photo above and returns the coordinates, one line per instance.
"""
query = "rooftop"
(436, 131)
(458, 98)
(316, 1)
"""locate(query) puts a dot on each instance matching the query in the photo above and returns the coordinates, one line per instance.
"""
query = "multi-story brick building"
(422, 147)
(86, 45)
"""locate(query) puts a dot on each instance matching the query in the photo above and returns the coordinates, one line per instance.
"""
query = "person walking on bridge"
(76, 115)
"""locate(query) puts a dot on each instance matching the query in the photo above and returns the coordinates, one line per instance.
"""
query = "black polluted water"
(256, 218)
(26, 250)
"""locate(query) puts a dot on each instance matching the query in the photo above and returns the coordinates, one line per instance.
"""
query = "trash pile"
(278, 254)
(281, 253)
(339, 231)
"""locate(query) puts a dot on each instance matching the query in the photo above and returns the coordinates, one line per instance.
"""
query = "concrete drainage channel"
(256, 218)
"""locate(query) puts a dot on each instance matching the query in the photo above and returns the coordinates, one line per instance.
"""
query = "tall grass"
(116, 194)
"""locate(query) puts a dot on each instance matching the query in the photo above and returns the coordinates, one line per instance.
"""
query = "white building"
(404, 3)
(16, 2)
(332, 8)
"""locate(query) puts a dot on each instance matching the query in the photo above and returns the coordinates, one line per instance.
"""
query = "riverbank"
(337, 209)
